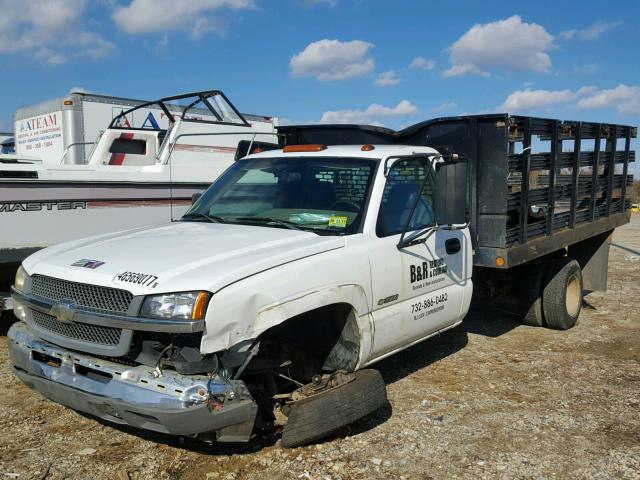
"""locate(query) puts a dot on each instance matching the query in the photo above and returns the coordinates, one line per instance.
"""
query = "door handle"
(452, 245)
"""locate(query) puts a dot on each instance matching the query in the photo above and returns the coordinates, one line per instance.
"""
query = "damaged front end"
(209, 407)
(131, 374)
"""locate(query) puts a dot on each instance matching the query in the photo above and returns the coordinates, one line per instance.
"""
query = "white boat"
(135, 177)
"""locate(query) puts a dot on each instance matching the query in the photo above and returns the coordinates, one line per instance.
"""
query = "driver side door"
(424, 287)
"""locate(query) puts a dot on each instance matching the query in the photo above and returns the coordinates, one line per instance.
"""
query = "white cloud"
(50, 30)
(590, 33)
(372, 115)
(329, 60)
(313, 3)
(624, 98)
(148, 16)
(386, 79)
(528, 99)
(510, 44)
(444, 107)
(422, 63)
(587, 69)
(79, 90)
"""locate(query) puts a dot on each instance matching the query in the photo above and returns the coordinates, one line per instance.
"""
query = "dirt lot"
(490, 399)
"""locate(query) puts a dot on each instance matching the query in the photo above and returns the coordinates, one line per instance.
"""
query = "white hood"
(183, 256)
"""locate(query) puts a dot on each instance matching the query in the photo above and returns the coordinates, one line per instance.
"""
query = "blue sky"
(366, 61)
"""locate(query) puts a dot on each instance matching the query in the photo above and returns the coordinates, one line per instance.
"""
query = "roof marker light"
(68, 102)
(312, 147)
(367, 148)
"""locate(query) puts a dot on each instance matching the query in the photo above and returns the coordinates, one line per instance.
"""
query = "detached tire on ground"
(316, 417)
(562, 294)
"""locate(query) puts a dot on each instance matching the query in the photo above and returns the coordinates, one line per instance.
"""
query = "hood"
(178, 257)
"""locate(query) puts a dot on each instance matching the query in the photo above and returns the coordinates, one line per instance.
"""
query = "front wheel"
(562, 294)
(323, 413)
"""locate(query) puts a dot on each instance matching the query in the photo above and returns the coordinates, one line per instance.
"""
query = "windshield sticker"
(86, 263)
(340, 222)
(144, 279)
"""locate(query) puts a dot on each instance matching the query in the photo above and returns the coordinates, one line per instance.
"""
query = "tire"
(316, 417)
(562, 294)
(530, 294)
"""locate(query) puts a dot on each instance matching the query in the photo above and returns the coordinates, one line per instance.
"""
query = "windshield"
(319, 194)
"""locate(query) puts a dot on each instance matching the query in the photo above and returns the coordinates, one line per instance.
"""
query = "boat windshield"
(320, 194)
(207, 106)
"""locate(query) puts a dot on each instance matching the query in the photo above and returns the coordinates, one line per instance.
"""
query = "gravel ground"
(490, 399)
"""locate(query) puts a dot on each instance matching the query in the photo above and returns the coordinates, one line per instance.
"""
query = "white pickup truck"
(297, 269)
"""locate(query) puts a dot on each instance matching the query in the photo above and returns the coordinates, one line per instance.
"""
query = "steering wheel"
(350, 204)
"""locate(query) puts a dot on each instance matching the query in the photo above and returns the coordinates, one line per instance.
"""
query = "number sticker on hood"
(144, 279)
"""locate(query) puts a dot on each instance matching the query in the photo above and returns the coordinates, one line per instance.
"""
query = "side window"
(408, 181)
(128, 146)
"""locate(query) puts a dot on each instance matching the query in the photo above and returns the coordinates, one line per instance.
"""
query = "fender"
(260, 314)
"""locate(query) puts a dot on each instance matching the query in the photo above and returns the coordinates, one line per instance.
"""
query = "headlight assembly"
(21, 279)
(187, 306)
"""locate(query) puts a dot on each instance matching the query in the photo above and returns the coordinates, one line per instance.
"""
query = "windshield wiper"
(282, 223)
(211, 218)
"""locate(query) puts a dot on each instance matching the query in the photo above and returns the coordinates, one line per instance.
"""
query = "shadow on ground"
(486, 320)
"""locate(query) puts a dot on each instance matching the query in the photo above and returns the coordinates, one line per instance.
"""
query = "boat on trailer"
(134, 177)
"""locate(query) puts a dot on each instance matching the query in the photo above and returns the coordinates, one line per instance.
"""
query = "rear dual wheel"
(562, 294)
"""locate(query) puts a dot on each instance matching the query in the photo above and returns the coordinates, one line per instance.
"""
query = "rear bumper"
(195, 406)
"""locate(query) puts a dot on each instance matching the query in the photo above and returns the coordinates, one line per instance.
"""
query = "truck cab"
(323, 259)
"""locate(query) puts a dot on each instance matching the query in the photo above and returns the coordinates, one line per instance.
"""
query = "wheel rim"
(573, 296)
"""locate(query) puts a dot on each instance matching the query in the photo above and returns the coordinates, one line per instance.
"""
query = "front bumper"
(188, 405)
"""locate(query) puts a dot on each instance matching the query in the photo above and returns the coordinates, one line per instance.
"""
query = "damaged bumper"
(195, 405)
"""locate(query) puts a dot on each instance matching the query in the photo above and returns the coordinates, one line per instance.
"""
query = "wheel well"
(325, 339)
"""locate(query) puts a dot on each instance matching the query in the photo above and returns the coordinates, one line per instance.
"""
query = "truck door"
(424, 287)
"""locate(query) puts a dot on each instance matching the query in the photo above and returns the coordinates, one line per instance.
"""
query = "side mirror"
(452, 192)
(195, 197)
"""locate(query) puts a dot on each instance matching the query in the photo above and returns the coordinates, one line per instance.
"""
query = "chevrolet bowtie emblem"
(64, 311)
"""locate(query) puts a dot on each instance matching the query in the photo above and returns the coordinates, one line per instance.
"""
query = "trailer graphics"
(40, 206)
(41, 134)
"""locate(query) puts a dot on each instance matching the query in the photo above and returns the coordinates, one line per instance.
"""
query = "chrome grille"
(78, 331)
(88, 297)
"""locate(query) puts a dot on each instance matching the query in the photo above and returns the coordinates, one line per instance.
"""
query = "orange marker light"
(367, 148)
(312, 147)
(200, 307)
(500, 262)
(68, 102)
